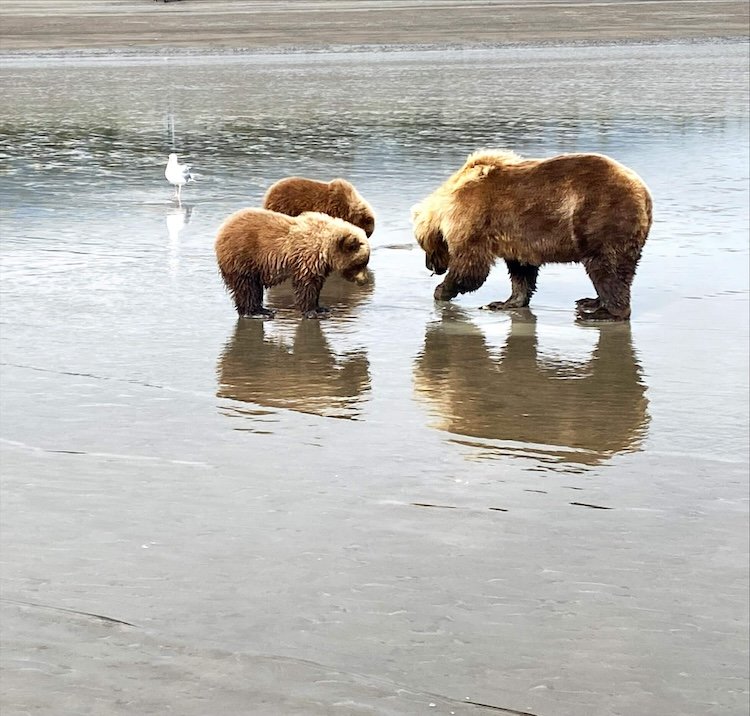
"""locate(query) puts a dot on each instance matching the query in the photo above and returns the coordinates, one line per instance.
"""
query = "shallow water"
(407, 506)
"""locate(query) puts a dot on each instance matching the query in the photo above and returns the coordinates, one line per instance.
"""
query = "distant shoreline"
(242, 26)
(222, 54)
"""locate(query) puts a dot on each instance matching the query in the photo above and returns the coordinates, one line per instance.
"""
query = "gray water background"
(397, 509)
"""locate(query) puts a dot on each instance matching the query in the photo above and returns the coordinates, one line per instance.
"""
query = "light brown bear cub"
(257, 248)
(583, 208)
(337, 198)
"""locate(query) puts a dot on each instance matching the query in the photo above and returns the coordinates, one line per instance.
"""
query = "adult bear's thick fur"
(583, 208)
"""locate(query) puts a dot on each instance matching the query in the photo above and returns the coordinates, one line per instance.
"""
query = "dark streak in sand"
(102, 617)
(426, 504)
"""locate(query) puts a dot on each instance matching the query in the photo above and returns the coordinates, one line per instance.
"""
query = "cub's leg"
(247, 291)
(612, 276)
(307, 294)
(466, 273)
(523, 284)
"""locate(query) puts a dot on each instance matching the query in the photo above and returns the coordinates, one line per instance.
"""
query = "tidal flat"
(410, 507)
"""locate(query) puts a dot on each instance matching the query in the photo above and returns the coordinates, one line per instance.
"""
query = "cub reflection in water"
(259, 366)
(593, 409)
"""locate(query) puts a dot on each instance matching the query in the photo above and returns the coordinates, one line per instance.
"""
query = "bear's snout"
(358, 275)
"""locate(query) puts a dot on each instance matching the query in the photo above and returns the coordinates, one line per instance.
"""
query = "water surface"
(405, 507)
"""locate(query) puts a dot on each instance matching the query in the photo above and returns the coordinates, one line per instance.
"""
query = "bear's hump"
(492, 158)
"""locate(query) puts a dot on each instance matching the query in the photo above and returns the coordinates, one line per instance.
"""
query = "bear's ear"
(349, 243)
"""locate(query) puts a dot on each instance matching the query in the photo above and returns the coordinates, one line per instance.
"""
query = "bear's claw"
(261, 314)
(588, 304)
(599, 314)
(504, 305)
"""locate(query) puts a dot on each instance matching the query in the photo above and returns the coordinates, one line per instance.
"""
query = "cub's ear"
(348, 243)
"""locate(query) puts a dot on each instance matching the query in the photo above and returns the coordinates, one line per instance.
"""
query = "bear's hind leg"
(612, 277)
(247, 291)
(523, 284)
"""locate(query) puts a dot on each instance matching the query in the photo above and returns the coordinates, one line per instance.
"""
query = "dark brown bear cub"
(583, 208)
(337, 198)
(257, 248)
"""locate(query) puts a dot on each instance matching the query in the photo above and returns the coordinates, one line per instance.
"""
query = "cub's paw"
(319, 313)
(262, 314)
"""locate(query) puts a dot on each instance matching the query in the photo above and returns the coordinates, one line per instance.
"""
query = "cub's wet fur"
(257, 248)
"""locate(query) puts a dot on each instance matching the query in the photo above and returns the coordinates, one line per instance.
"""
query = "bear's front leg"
(523, 284)
(466, 274)
(307, 294)
(247, 289)
(446, 290)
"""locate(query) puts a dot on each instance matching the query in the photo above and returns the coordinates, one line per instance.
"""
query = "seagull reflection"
(258, 366)
(532, 405)
(178, 218)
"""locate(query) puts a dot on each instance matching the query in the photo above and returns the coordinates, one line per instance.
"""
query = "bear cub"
(337, 198)
(258, 248)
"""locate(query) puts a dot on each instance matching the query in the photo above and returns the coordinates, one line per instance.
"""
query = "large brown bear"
(583, 208)
(337, 198)
(257, 248)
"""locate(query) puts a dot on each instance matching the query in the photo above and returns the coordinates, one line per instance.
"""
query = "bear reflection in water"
(589, 411)
(259, 366)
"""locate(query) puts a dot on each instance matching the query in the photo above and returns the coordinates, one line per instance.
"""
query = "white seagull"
(178, 175)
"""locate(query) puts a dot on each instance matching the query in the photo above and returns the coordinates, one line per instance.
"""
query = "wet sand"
(407, 509)
(405, 506)
(223, 24)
